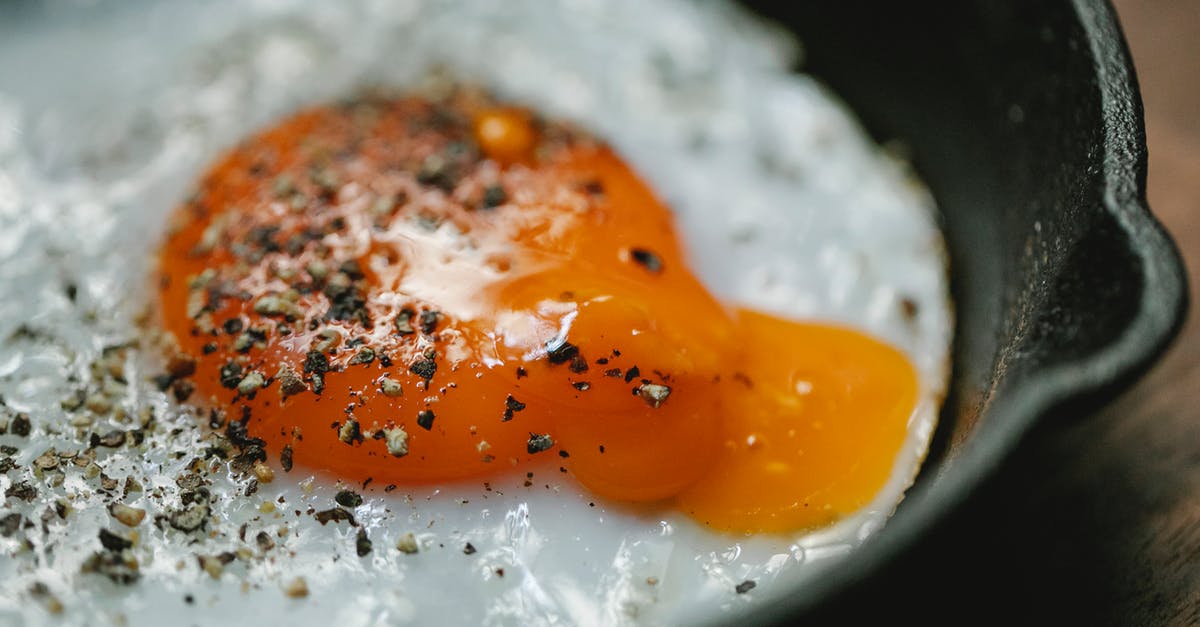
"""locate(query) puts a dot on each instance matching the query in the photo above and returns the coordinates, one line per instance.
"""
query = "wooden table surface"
(1096, 519)
(1150, 439)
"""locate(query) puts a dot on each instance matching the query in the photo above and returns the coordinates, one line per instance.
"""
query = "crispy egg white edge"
(812, 220)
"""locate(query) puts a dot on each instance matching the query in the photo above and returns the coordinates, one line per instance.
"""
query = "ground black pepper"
(285, 458)
(647, 259)
(336, 515)
(425, 419)
(538, 443)
(511, 406)
(362, 543)
(424, 368)
(745, 586)
(560, 351)
(348, 498)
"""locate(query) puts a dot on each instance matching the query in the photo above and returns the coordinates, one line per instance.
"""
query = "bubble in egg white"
(785, 204)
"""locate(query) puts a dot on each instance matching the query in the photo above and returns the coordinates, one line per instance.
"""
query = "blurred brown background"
(1152, 435)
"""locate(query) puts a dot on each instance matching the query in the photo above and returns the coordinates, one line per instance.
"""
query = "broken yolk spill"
(406, 290)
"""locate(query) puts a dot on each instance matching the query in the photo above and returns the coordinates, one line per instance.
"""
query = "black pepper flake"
(285, 458)
(538, 443)
(469, 549)
(428, 321)
(111, 565)
(350, 432)
(438, 172)
(654, 394)
(316, 361)
(351, 269)
(20, 425)
(112, 439)
(244, 462)
(233, 326)
(189, 481)
(336, 515)
(162, 382)
(180, 366)
(647, 259)
(425, 419)
(348, 498)
(113, 542)
(632, 374)
(231, 375)
(521, 373)
(582, 386)
(563, 454)
(23, 490)
(362, 543)
(612, 372)
(561, 351)
(236, 431)
(511, 406)
(190, 518)
(578, 364)
(182, 390)
(424, 368)
(745, 586)
(365, 356)
(209, 348)
(10, 523)
(494, 196)
(290, 382)
(404, 322)
(347, 303)
(264, 541)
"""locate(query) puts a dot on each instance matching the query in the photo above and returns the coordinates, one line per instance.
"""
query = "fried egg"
(478, 447)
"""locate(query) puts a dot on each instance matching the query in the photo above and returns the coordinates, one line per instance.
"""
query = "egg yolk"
(415, 291)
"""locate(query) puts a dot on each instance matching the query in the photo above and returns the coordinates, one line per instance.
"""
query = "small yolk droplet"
(505, 134)
(416, 291)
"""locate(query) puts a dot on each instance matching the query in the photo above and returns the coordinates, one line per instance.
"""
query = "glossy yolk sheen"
(417, 291)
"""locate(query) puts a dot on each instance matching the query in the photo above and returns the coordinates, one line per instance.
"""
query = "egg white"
(105, 122)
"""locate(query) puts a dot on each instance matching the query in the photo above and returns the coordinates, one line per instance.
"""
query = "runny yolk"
(415, 291)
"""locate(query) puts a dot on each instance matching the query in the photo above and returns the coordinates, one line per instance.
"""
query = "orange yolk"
(413, 291)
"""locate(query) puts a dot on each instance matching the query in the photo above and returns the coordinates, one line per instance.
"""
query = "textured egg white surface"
(106, 121)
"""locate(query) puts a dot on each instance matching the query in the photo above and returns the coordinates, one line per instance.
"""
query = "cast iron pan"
(1025, 120)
